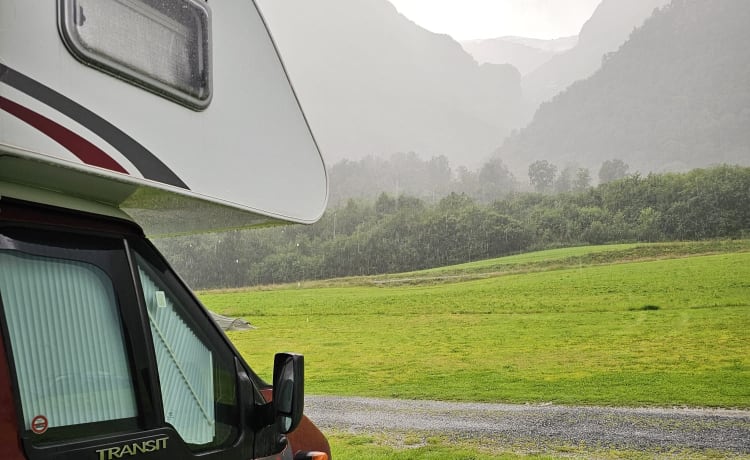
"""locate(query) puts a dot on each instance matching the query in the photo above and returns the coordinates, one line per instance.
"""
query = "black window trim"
(51, 243)
(209, 332)
(145, 248)
(65, 224)
(65, 19)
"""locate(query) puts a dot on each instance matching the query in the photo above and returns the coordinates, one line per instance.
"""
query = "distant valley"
(525, 54)
(671, 95)
(373, 82)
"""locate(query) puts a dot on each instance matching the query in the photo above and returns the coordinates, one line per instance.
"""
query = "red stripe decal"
(77, 145)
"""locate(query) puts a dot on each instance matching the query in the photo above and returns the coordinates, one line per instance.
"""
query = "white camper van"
(122, 120)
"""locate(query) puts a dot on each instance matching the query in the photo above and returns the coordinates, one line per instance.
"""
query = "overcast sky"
(468, 19)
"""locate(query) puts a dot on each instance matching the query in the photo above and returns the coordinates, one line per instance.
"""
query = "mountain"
(525, 54)
(606, 30)
(373, 82)
(555, 45)
(675, 96)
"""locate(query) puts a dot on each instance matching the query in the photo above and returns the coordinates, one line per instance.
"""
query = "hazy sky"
(467, 19)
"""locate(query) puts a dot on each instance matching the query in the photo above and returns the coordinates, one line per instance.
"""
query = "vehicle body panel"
(10, 448)
(87, 156)
(250, 150)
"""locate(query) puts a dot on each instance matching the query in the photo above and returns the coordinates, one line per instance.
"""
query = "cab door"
(110, 356)
(208, 395)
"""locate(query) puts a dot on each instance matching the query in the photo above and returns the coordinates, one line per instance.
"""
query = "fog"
(637, 129)
(373, 82)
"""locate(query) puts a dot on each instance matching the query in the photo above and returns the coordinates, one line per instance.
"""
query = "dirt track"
(542, 427)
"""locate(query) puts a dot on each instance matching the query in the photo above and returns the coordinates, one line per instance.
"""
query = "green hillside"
(659, 331)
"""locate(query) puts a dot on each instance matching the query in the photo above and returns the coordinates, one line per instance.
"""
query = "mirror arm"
(253, 415)
(264, 415)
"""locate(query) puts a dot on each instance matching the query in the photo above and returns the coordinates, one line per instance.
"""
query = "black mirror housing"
(288, 390)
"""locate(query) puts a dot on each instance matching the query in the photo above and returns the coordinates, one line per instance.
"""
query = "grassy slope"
(416, 447)
(426, 446)
(569, 331)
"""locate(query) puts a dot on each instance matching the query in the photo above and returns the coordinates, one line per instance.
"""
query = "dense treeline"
(394, 234)
(408, 174)
(433, 179)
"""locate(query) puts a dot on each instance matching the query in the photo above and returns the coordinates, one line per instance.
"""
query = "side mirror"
(288, 390)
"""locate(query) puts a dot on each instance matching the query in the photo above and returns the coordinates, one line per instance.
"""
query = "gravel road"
(539, 426)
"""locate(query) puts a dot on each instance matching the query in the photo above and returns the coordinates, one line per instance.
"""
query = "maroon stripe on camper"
(77, 145)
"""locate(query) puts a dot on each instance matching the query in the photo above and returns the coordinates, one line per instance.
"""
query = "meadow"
(622, 325)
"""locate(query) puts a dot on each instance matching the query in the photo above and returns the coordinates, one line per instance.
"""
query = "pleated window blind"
(67, 340)
(185, 367)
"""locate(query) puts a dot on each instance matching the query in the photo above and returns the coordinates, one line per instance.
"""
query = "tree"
(439, 174)
(385, 204)
(495, 179)
(542, 175)
(582, 180)
(612, 170)
(564, 181)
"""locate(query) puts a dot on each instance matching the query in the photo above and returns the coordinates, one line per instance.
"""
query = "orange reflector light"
(311, 456)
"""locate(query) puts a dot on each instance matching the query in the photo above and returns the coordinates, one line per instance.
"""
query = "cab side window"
(198, 381)
(65, 331)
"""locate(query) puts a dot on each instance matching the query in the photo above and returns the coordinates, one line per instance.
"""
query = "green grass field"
(395, 446)
(617, 325)
(413, 447)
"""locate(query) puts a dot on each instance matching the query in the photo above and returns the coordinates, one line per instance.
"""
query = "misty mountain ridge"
(555, 45)
(608, 28)
(675, 96)
(377, 83)
(525, 54)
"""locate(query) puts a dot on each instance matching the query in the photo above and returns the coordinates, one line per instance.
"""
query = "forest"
(398, 233)
(403, 213)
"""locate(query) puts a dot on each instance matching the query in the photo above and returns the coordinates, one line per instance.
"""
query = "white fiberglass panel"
(250, 150)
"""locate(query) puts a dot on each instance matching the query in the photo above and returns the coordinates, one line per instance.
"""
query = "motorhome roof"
(70, 127)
